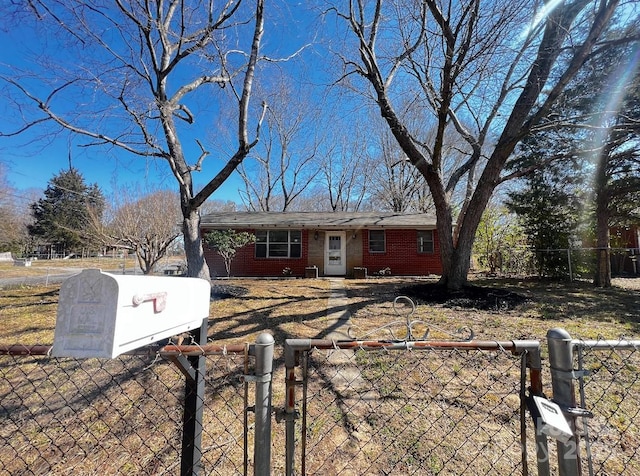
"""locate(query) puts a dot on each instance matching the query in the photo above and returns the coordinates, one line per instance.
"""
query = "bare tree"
(281, 169)
(146, 224)
(132, 71)
(489, 71)
(345, 171)
(211, 206)
(397, 185)
(13, 217)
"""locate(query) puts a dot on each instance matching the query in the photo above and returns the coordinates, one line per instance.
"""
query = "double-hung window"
(425, 241)
(376, 241)
(278, 244)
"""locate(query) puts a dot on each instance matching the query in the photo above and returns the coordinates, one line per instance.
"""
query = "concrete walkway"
(338, 315)
(347, 379)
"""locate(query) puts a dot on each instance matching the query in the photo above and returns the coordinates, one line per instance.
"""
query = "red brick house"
(336, 243)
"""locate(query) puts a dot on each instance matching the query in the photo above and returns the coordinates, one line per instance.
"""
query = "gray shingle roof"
(319, 220)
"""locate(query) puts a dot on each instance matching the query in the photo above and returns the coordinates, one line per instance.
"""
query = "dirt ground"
(479, 296)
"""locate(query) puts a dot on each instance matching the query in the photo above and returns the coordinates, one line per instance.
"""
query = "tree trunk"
(143, 262)
(196, 265)
(455, 265)
(602, 278)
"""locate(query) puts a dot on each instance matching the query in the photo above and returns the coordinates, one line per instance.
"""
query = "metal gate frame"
(296, 349)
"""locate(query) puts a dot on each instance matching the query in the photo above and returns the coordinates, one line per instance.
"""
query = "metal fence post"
(290, 360)
(534, 361)
(561, 362)
(194, 369)
(264, 368)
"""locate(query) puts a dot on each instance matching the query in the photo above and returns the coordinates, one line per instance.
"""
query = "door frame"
(333, 270)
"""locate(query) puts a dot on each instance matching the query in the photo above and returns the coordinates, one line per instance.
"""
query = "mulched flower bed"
(222, 291)
(470, 297)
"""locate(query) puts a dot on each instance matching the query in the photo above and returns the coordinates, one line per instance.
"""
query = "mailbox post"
(191, 461)
(104, 315)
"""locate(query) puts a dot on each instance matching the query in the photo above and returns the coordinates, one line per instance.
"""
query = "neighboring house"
(625, 242)
(336, 243)
(625, 237)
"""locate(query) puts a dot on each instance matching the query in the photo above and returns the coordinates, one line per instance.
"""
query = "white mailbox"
(104, 315)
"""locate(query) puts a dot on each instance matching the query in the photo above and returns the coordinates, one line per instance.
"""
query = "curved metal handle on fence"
(410, 324)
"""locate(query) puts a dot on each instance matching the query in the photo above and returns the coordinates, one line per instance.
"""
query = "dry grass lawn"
(297, 307)
(56, 266)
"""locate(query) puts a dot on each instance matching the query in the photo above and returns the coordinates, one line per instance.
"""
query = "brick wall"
(626, 237)
(246, 264)
(401, 255)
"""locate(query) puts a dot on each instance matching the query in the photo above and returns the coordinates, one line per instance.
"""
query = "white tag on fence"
(552, 421)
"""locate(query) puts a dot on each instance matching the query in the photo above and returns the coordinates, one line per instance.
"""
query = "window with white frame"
(376, 241)
(278, 244)
(425, 241)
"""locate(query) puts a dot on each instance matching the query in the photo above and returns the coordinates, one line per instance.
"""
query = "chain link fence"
(385, 409)
(564, 263)
(609, 388)
(580, 263)
(117, 416)
(377, 407)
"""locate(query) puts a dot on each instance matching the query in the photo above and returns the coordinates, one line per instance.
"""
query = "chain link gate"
(352, 407)
(421, 407)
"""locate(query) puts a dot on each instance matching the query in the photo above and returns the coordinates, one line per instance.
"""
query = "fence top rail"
(515, 346)
(164, 351)
(602, 248)
(208, 349)
(607, 344)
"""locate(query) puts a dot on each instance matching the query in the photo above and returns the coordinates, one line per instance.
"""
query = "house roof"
(317, 220)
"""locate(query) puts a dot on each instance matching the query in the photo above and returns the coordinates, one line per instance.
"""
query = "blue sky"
(32, 159)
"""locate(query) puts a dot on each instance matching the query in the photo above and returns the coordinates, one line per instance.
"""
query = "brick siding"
(400, 255)
(246, 264)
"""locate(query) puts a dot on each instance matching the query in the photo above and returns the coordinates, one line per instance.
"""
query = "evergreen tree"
(592, 138)
(549, 214)
(62, 216)
(613, 147)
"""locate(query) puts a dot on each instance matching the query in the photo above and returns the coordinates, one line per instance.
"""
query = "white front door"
(335, 262)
